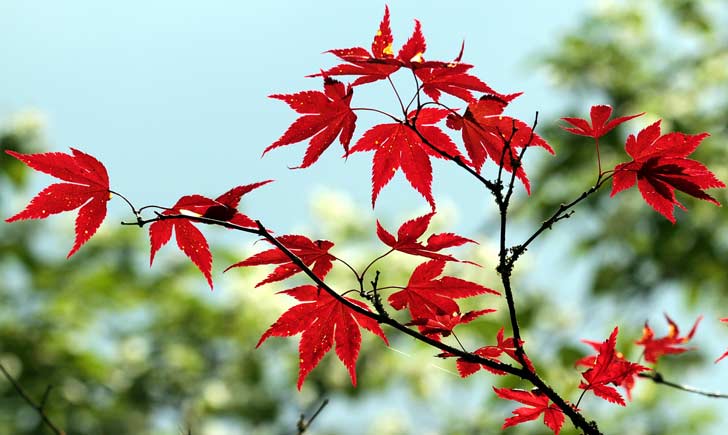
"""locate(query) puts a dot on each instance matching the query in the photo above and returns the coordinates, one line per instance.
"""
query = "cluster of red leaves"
(503, 346)
(322, 319)
(409, 143)
(654, 348)
(659, 163)
(87, 186)
(431, 300)
(608, 366)
(536, 404)
(190, 240)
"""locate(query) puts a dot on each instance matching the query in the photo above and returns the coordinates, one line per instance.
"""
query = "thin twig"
(657, 378)
(39, 408)
(304, 424)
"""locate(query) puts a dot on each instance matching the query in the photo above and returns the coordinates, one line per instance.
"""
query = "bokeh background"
(172, 97)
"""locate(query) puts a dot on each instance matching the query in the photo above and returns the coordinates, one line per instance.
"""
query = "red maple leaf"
(599, 125)
(669, 344)
(87, 187)
(438, 324)
(486, 132)
(325, 115)
(310, 252)
(660, 166)
(189, 239)
(536, 404)
(381, 62)
(412, 230)
(427, 296)
(451, 78)
(507, 346)
(398, 146)
(726, 352)
(608, 367)
(323, 321)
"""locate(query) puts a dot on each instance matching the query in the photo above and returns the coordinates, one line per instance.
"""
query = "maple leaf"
(325, 115)
(669, 344)
(504, 345)
(437, 324)
(398, 146)
(608, 367)
(381, 62)
(412, 230)
(323, 320)
(189, 239)
(726, 352)
(486, 132)
(659, 167)
(310, 252)
(536, 404)
(427, 296)
(451, 78)
(599, 125)
(370, 67)
(87, 187)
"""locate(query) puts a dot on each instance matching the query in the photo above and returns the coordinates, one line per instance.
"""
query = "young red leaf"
(609, 367)
(325, 115)
(599, 125)
(310, 252)
(726, 352)
(451, 78)
(486, 132)
(189, 239)
(398, 146)
(669, 344)
(507, 346)
(412, 51)
(536, 404)
(437, 324)
(323, 321)
(427, 296)
(378, 65)
(659, 167)
(412, 230)
(87, 187)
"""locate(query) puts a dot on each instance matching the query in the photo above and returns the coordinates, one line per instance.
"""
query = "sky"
(172, 96)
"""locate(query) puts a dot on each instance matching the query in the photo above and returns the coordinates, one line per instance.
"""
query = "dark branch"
(39, 407)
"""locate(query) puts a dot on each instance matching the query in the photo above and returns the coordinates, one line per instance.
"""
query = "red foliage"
(599, 125)
(189, 239)
(412, 230)
(669, 344)
(311, 253)
(536, 404)
(659, 167)
(608, 367)
(87, 187)
(323, 321)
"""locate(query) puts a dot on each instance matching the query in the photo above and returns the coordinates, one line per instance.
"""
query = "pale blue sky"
(172, 96)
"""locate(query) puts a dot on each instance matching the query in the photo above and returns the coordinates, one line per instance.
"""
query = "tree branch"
(39, 407)
(657, 378)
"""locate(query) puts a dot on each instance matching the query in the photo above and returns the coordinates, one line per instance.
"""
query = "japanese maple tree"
(482, 135)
